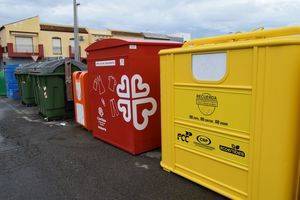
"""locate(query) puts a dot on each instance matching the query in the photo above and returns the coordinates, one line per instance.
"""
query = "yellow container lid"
(259, 37)
(256, 34)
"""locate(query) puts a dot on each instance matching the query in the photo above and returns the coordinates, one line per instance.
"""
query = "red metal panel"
(124, 93)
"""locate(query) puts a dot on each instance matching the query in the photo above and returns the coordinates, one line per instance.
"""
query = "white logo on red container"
(138, 92)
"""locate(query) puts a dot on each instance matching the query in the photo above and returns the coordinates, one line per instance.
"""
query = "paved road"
(60, 160)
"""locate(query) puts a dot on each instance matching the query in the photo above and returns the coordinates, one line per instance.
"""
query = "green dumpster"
(25, 83)
(51, 87)
(2, 84)
(34, 86)
(33, 71)
(32, 77)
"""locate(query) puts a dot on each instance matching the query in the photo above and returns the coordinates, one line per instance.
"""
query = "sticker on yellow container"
(222, 109)
(213, 144)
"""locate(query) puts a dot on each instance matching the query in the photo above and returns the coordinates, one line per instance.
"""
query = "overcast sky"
(199, 17)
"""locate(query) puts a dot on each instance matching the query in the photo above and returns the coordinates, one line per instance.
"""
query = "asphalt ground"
(61, 160)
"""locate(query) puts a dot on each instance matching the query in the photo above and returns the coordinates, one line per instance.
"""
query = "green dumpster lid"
(56, 67)
(37, 68)
(25, 69)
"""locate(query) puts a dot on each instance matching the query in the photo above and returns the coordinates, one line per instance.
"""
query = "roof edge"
(3, 26)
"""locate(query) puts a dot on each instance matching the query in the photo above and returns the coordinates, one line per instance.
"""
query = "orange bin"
(80, 91)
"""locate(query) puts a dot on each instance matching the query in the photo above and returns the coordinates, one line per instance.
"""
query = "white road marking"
(141, 165)
(153, 154)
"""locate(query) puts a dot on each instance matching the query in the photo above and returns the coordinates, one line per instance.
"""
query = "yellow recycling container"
(230, 109)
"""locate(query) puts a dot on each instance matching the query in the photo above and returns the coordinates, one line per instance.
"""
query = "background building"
(23, 40)
(184, 36)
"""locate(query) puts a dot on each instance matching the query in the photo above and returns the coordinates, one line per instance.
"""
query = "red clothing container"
(124, 92)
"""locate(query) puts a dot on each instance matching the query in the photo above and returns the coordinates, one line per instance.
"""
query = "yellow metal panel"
(166, 80)
(232, 180)
(279, 136)
(238, 136)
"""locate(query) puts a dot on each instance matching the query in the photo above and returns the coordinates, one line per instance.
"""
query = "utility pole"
(76, 42)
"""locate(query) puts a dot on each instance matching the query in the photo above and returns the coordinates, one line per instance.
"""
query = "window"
(209, 67)
(4, 49)
(72, 45)
(56, 46)
(24, 44)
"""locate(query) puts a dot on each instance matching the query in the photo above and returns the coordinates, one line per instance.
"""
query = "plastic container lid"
(25, 69)
(55, 67)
